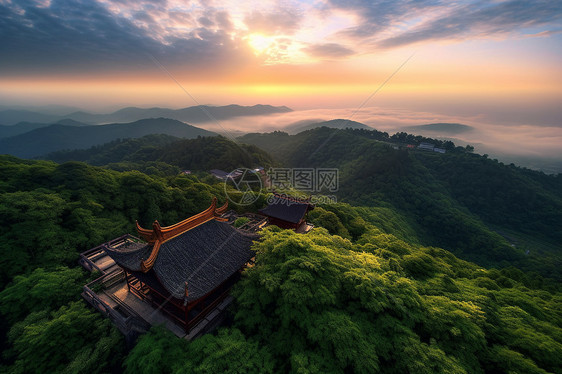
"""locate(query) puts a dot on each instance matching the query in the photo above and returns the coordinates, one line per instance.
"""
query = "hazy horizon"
(494, 65)
(527, 144)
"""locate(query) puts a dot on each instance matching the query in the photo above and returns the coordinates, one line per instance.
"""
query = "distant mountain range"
(43, 140)
(23, 127)
(19, 128)
(444, 128)
(14, 116)
(434, 128)
(333, 124)
(194, 114)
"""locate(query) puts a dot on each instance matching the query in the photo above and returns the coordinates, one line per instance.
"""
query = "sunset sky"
(498, 58)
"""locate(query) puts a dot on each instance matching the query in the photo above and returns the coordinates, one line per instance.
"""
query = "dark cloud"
(159, 3)
(480, 20)
(180, 17)
(329, 50)
(83, 35)
(378, 16)
(218, 19)
(412, 21)
(445, 20)
(205, 21)
(282, 21)
(144, 16)
(67, 32)
(222, 19)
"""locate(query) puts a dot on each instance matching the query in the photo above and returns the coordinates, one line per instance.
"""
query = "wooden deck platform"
(110, 295)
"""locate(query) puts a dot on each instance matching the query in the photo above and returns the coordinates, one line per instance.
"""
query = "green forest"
(428, 263)
(478, 208)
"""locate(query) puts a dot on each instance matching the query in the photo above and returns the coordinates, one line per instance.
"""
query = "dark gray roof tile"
(286, 209)
(204, 256)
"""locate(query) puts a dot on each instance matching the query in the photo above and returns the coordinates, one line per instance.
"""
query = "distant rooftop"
(286, 209)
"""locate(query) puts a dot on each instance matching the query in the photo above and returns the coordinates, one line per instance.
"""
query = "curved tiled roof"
(128, 254)
(204, 256)
(158, 235)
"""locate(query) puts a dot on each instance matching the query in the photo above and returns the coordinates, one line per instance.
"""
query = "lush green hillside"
(291, 149)
(318, 303)
(441, 128)
(194, 154)
(333, 124)
(482, 210)
(49, 213)
(459, 201)
(115, 151)
(44, 140)
(368, 299)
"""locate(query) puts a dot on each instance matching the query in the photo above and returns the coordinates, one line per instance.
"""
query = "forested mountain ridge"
(335, 124)
(23, 127)
(458, 200)
(442, 128)
(478, 208)
(44, 140)
(201, 154)
(19, 128)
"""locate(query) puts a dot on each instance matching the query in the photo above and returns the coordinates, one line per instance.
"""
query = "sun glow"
(260, 43)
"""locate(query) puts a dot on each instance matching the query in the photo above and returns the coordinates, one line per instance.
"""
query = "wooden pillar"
(127, 279)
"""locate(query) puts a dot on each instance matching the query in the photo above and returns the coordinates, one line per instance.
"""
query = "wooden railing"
(128, 322)
(88, 257)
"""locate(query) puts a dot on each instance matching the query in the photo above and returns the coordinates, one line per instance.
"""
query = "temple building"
(288, 213)
(183, 271)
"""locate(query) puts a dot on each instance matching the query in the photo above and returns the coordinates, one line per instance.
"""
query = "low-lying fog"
(535, 146)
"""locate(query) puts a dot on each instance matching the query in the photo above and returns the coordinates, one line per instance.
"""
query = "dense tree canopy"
(480, 209)
(368, 290)
(319, 303)
(72, 339)
(153, 153)
(49, 213)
